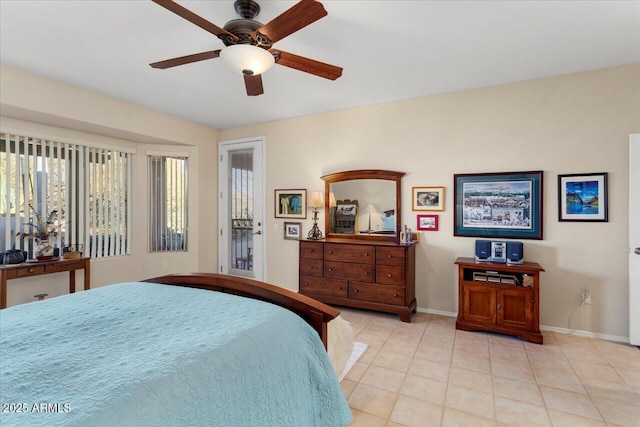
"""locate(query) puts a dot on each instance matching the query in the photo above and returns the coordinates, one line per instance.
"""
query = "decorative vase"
(44, 248)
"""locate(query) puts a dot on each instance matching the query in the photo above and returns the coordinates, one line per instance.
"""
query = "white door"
(634, 239)
(241, 212)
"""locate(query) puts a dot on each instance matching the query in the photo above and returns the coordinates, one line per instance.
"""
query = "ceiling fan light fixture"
(247, 59)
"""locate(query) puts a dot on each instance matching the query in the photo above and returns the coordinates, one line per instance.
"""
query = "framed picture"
(427, 198)
(427, 223)
(503, 205)
(291, 204)
(349, 209)
(292, 230)
(583, 197)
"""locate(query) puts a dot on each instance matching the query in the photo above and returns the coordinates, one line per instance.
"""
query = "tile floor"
(426, 373)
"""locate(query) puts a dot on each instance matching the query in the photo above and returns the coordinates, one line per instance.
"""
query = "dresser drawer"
(350, 271)
(318, 285)
(30, 271)
(311, 250)
(388, 275)
(363, 254)
(377, 293)
(311, 267)
(390, 256)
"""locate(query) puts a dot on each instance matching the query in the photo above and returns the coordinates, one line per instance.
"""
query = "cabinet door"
(515, 308)
(479, 304)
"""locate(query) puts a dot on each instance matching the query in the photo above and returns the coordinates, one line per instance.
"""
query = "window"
(86, 187)
(168, 180)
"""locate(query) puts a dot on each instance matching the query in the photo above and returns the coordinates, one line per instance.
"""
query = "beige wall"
(51, 108)
(567, 124)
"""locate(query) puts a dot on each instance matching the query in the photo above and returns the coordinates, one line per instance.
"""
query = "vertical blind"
(87, 188)
(168, 185)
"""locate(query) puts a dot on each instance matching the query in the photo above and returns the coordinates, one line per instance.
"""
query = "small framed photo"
(291, 204)
(292, 230)
(583, 197)
(427, 223)
(428, 198)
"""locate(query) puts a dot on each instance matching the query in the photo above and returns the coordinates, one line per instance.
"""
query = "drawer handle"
(330, 251)
(366, 273)
(330, 269)
(310, 250)
(366, 254)
(395, 295)
(311, 267)
(339, 288)
(306, 283)
(389, 275)
(499, 306)
(31, 270)
(389, 256)
(355, 291)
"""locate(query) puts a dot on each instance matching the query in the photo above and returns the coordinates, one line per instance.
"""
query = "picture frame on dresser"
(501, 205)
(290, 204)
(582, 197)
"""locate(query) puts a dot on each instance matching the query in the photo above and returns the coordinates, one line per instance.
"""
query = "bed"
(144, 353)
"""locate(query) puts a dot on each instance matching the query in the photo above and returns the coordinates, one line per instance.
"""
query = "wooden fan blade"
(295, 18)
(307, 65)
(193, 18)
(253, 85)
(173, 62)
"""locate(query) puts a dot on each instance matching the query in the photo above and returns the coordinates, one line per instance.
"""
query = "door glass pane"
(241, 210)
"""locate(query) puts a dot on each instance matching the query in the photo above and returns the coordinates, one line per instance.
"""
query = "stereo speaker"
(483, 250)
(515, 253)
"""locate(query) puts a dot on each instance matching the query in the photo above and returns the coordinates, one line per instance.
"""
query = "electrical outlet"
(586, 297)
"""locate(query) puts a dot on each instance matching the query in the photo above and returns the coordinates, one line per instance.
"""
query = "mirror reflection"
(363, 206)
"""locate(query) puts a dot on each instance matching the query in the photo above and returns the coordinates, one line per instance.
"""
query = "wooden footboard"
(313, 312)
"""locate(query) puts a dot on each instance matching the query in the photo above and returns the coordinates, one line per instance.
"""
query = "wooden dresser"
(371, 275)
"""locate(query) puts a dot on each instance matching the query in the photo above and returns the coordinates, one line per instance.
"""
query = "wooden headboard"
(313, 312)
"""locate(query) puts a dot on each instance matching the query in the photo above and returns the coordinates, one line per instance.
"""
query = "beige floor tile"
(507, 353)
(424, 389)
(563, 419)
(397, 362)
(444, 342)
(455, 418)
(357, 371)
(599, 372)
(630, 377)
(520, 371)
(385, 319)
(472, 361)
(591, 355)
(434, 353)
(631, 363)
(373, 400)
(405, 347)
(381, 330)
(619, 413)
(416, 413)
(556, 362)
(414, 333)
(347, 387)
(568, 401)
(362, 419)
(558, 379)
(392, 424)
(506, 341)
(477, 336)
(383, 378)
(619, 349)
(432, 370)
(517, 390)
(369, 355)
(372, 340)
(611, 391)
(523, 414)
(471, 401)
(470, 379)
(478, 348)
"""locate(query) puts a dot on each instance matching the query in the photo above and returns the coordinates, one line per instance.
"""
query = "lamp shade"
(317, 199)
(370, 209)
(247, 59)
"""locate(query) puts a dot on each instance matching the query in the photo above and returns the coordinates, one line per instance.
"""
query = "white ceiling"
(390, 50)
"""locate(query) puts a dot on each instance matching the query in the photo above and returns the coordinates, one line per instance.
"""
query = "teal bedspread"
(142, 354)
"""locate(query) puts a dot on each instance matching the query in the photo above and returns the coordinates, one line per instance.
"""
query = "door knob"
(636, 251)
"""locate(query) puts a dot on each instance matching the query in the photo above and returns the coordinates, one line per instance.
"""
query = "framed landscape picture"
(292, 230)
(502, 205)
(427, 223)
(583, 197)
(291, 204)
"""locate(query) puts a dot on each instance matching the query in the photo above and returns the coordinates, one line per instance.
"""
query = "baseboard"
(566, 331)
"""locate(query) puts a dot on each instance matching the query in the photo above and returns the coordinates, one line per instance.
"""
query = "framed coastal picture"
(502, 205)
(292, 230)
(291, 204)
(427, 198)
(583, 197)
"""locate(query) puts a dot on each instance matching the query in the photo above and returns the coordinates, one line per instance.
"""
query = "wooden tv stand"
(499, 298)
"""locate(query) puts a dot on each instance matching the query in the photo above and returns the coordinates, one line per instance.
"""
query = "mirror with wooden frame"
(363, 204)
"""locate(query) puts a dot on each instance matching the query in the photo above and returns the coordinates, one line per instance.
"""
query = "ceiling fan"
(249, 43)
